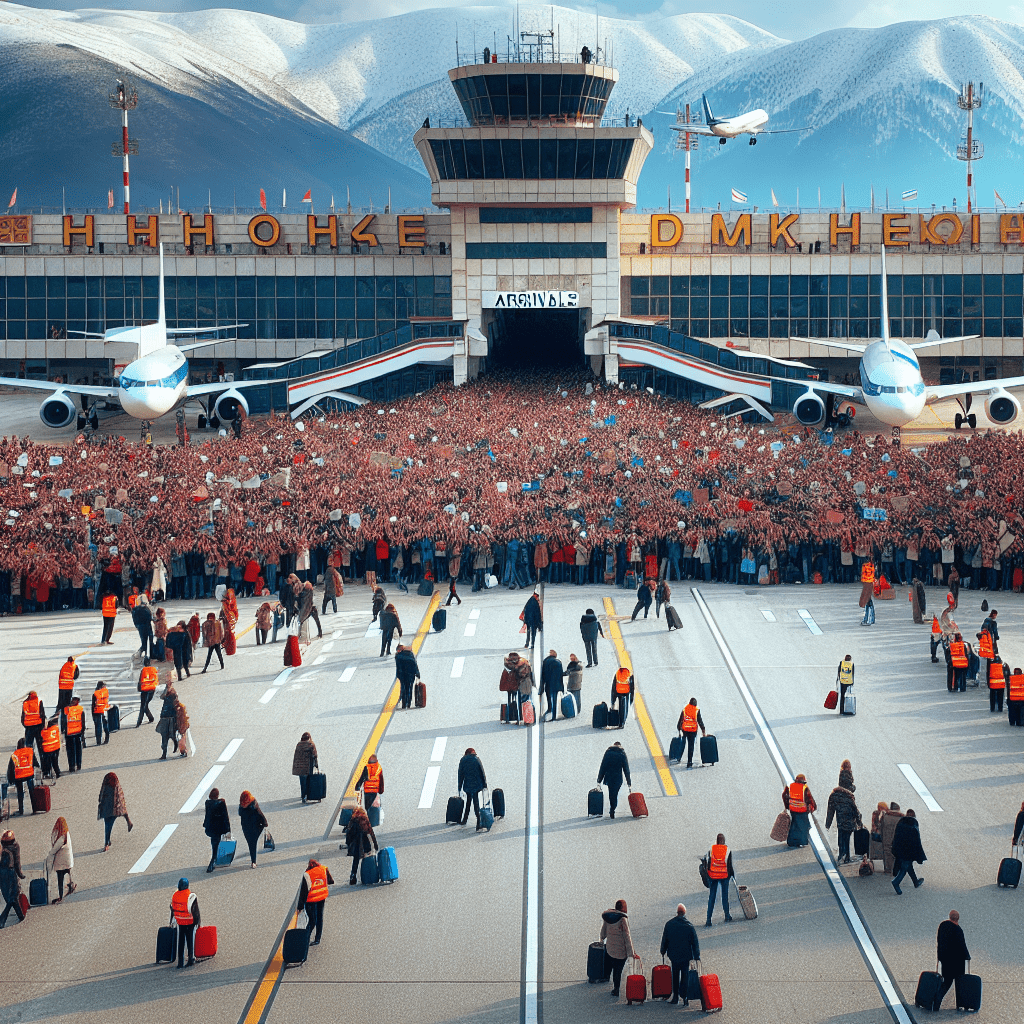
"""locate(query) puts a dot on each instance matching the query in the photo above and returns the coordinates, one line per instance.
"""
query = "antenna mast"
(971, 149)
(687, 142)
(124, 98)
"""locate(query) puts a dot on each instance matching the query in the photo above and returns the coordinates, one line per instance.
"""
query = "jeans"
(334, 604)
(616, 965)
(270, 577)
(591, 648)
(475, 799)
(906, 867)
(73, 746)
(613, 798)
(209, 656)
(145, 640)
(14, 904)
(713, 888)
(406, 689)
(108, 826)
(186, 933)
(680, 976)
(869, 614)
(21, 783)
(108, 628)
(689, 738)
(844, 843)
(674, 571)
(214, 847)
(552, 698)
(145, 697)
(304, 786)
(531, 636)
(315, 918)
(640, 605)
(577, 696)
(99, 723)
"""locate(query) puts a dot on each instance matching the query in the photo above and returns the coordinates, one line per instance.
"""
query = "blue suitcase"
(486, 817)
(296, 946)
(317, 789)
(38, 892)
(387, 865)
(373, 813)
(226, 852)
(676, 748)
(369, 874)
(498, 803)
(568, 706)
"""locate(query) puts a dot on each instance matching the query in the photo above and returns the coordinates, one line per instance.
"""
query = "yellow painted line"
(668, 783)
(272, 972)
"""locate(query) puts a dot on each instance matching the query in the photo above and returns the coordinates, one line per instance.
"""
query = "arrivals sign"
(531, 300)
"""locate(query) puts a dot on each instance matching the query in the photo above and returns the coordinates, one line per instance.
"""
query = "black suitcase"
(440, 620)
(425, 589)
(927, 989)
(595, 803)
(113, 718)
(38, 892)
(456, 808)
(708, 750)
(861, 841)
(513, 712)
(600, 719)
(1009, 871)
(614, 717)
(166, 941)
(296, 946)
(598, 968)
(317, 786)
(498, 803)
(676, 748)
(968, 992)
(672, 619)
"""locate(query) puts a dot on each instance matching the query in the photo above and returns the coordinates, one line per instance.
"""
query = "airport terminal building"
(535, 254)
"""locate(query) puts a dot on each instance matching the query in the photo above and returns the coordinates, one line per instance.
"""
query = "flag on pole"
(775, 201)
(911, 193)
(14, 199)
(284, 198)
(263, 199)
(738, 196)
(308, 197)
(1000, 198)
(110, 199)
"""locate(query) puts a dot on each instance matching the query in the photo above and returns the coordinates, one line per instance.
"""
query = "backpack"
(866, 868)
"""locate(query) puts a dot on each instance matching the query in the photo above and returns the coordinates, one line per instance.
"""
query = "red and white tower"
(124, 98)
(687, 142)
(970, 148)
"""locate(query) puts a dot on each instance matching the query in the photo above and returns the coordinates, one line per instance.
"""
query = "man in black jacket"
(614, 766)
(952, 954)
(142, 617)
(906, 849)
(407, 671)
(679, 942)
(590, 630)
(551, 673)
(644, 600)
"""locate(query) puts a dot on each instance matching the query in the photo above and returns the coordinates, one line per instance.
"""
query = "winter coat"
(212, 630)
(472, 778)
(525, 674)
(846, 780)
(643, 595)
(61, 856)
(111, 803)
(332, 583)
(380, 599)
(890, 819)
(575, 674)
(390, 622)
(614, 765)
(406, 668)
(355, 831)
(843, 807)
(216, 822)
(551, 673)
(590, 627)
(253, 821)
(304, 760)
(265, 617)
(618, 943)
(532, 614)
(906, 841)
(679, 940)
(10, 871)
(951, 947)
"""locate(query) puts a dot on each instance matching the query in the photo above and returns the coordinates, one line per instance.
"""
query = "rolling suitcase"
(420, 694)
(661, 981)
(850, 704)
(439, 620)
(614, 717)
(672, 619)
(636, 987)
(676, 748)
(600, 716)
(638, 805)
(595, 803)
(710, 993)
(568, 706)
(968, 992)
(498, 803)
(630, 580)
(348, 807)
(373, 814)
(369, 873)
(861, 841)
(387, 865)
(598, 968)
(166, 942)
(295, 949)
(38, 892)
(747, 902)
(780, 830)
(1009, 870)
(529, 716)
(486, 817)
(456, 807)
(832, 700)
(40, 799)
(503, 714)
(226, 852)
(113, 718)
(692, 985)
(205, 943)
(708, 750)
(927, 989)
(426, 588)
(317, 789)
(513, 712)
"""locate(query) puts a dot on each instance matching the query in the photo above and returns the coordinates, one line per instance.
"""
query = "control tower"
(535, 183)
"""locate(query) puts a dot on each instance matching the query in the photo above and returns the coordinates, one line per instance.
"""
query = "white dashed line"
(922, 790)
(269, 695)
(470, 629)
(199, 793)
(319, 659)
(152, 850)
(282, 676)
(437, 754)
(475, 613)
(329, 646)
(347, 675)
(337, 635)
(230, 750)
(429, 786)
(808, 621)
(457, 666)
(768, 614)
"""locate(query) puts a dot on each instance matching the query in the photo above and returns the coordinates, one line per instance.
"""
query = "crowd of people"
(528, 478)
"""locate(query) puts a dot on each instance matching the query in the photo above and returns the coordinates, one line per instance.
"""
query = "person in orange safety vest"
(623, 686)
(936, 638)
(689, 722)
(185, 914)
(73, 726)
(147, 687)
(50, 743)
(33, 717)
(1015, 698)
(20, 770)
(996, 684)
(958, 662)
(719, 868)
(312, 896)
(109, 608)
(797, 799)
(100, 704)
(66, 683)
(371, 781)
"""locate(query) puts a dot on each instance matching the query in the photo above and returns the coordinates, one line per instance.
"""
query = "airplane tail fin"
(709, 118)
(154, 335)
(884, 311)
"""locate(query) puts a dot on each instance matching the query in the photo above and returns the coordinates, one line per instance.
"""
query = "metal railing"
(552, 121)
(529, 54)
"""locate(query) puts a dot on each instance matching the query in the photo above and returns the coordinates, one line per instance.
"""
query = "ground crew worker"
(719, 872)
(867, 580)
(797, 799)
(986, 651)
(1015, 698)
(20, 770)
(73, 726)
(109, 607)
(688, 724)
(996, 684)
(185, 913)
(50, 741)
(989, 626)
(371, 781)
(623, 686)
(33, 715)
(147, 687)
(958, 662)
(66, 683)
(100, 703)
(312, 896)
(844, 678)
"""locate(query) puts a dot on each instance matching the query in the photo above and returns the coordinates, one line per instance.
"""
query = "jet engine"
(228, 404)
(1001, 407)
(58, 410)
(809, 409)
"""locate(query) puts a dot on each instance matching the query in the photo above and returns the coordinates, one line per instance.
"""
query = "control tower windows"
(583, 159)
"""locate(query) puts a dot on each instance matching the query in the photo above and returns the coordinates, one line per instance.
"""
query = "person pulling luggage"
(844, 679)
(21, 772)
(185, 913)
(614, 768)
(313, 895)
(359, 841)
(408, 672)
(618, 942)
(688, 724)
(72, 724)
(472, 782)
(719, 868)
(680, 943)
(100, 705)
(371, 781)
(551, 674)
(623, 688)
(33, 718)
(952, 954)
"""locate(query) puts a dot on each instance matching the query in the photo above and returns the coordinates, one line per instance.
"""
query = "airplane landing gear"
(753, 141)
(722, 142)
(968, 417)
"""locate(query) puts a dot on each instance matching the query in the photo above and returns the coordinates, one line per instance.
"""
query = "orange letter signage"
(275, 230)
(658, 220)
(85, 231)
(1011, 228)
(836, 229)
(894, 227)
(720, 234)
(930, 232)
(780, 229)
(151, 232)
(360, 232)
(411, 231)
(189, 231)
(314, 231)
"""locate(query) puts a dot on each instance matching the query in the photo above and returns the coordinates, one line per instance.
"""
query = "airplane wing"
(932, 338)
(203, 344)
(784, 131)
(832, 343)
(937, 392)
(191, 331)
(92, 390)
(215, 387)
(692, 129)
(850, 391)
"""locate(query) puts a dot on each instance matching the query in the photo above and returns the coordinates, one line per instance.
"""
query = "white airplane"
(751, 123)
(891, 386)
(152, 385)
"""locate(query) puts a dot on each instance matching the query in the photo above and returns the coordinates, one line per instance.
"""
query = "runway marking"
(347, 675)
(372, 630)
(152, 850)
(437, 754)
(531, 951)
(199, 792)
(475, 613)
(870, 952)
(922, 790)
(337, 635)
(269, 695)
(319, 659)
(230, 750)
(808, 621)
(668, 783)
(282, 676)
(457, 666)
(429, 786)
(329, 646)
(470, 629)
(768, 614)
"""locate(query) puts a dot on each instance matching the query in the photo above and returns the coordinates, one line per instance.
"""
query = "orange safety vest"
(797, 799)
(66, 681)
(75, 715)
(1017, 686)
(133, 600)
(316, 882)
(373, 774)
(957, 654)
(109, 606)
(30, 712)
(180, 907)
(867, 572)
(22, 759)
(985, 649)
(147, 678)
(936, 628)
(621, 686)
(719, 864)
(51, 739)
(996, 679)
(690, 718)
(100, 701)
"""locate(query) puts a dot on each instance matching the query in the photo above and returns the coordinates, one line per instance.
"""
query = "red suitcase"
(832, 700)
(710, 993)
(420, 694)
(40, 799)
(638, 805)
(529, 716)
(23, 903)
(206, 941)
(636, 987)
(661, 981)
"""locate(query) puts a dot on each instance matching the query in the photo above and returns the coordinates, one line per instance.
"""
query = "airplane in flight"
(152, 385)
(751, 123)
(892, 388)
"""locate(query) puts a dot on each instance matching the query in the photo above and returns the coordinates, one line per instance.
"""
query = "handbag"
(866, 868)
(703, 868)
(268, 841)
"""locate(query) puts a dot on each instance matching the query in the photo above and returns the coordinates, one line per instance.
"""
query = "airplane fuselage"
(890, 379)
(750, 123)
(154, 384)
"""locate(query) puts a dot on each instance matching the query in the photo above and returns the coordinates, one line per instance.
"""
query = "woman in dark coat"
(379, 601)
(533, 619)
(167, 723)
(472, 781)
(389, 624)
(359, 840)
(907, 850)
(842, 805)
(216, 823)
(304, 763)
(253, 822)
(10, 876)
(111, 806)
